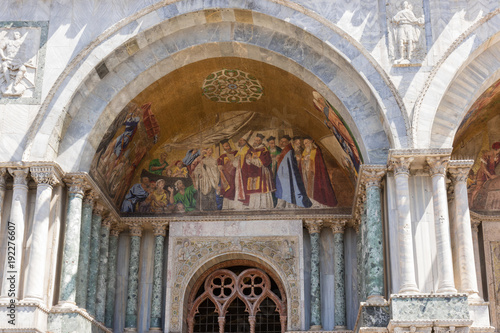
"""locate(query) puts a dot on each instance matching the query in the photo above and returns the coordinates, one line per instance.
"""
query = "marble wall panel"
(491, 239)
(327, 282)
(351, 277)
(145, 280)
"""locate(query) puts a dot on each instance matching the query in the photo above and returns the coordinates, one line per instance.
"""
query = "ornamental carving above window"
(231, 302)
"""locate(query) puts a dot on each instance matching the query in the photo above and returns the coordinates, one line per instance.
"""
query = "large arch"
(450, 90)
(69, 116)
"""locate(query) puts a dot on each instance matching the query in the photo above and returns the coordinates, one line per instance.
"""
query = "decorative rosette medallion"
(232, 86)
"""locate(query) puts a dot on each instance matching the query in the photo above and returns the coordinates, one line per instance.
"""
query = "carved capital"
(373, 177)
(116, 228)
(401, 165)
(438, 165)
(45, 175)
(107, 222)
(20, 176)
(338, 227)
(76, 185)
(90, 197)
(459, 175)
(159, 229)
(313, 226)
(475, 225)
(99, 209)
(135, 228)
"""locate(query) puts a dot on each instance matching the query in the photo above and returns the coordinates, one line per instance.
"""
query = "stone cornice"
(455, 164)
(477, 217)
(418, 156)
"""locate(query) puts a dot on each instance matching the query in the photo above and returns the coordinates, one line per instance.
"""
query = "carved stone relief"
(22, 57)
(193, 252)
(406, 32)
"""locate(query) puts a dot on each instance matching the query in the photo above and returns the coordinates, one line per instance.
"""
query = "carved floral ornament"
(232, 86)
(438, 164)
(45, 175)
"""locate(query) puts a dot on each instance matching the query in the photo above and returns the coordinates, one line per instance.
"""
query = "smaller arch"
(224, 286)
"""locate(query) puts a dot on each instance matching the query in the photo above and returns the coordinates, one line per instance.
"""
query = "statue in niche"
(407, 32)
(14, 66)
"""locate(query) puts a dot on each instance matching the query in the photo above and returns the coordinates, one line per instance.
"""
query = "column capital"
(313, 225)
(135, 228)
(438, 164)
(160, 228)
(459, 170)
(475, 225)
(401, 164)
(116, 228)
(338, 227)
(107, 222)
(373, 177)
(90, 197)
(3, 178)
(76, 184)
(99, 208)
(45, 174)
(20, 175)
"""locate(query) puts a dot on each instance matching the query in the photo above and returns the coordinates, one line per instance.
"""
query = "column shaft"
(45, 178)
(405, 237)
(374, 245)
(133, 279)
(110, 295)
(446, 283)
(15, 233)
(156, 312)
(67, 295)
(84, 257)
(314, 228)
(103, 271)
(339, 276)
(94, 259)
(463, 234)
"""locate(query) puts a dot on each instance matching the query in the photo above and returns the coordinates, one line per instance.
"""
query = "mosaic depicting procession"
(237, 164)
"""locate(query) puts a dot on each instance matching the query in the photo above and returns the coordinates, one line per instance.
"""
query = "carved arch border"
(267, 253)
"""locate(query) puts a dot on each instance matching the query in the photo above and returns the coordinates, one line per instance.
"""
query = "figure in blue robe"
(124, 139)
(289, 184)
(136, 194)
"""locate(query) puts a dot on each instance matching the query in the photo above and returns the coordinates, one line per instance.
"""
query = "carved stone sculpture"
(406, 32)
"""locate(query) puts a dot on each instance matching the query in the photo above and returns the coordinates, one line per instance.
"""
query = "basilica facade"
(250, 166)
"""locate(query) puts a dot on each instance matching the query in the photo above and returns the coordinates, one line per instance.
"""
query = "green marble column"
(94, 258)
(83, 258)
(69, 270)
(110, 295)
(314, 228)
(133, 278)
(160, 233)
(339, 275)
(100, 306)
(374, 239)
(362, 254)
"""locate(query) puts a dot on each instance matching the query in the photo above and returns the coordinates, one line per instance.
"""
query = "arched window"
(232, 300)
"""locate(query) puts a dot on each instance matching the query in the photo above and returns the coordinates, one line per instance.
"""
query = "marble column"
(15, 231)
(463, 233)
(110, 295)
(45, 177)
(446, 282)
(374, 269)
(339, 275)
(94, 257)
(84, 257)
(314, 228)
(401, 167)
(133, 278)
(159, 230)
(67, 294)
(102, 275)
(477, 259)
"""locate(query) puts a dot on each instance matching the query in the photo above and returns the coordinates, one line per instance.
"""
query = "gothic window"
(232, 302)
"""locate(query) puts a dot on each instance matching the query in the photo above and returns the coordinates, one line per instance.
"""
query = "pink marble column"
(446, 282)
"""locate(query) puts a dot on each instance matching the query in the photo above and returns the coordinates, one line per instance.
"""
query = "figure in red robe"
(315, 176)
(227, 175)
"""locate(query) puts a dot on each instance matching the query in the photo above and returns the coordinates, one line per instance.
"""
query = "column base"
(62, 320)
(446, 290)
(130, 329)
(409, 289)
(316, 328)
(65, 305)
(480, 314)
(340, 328)
(33, 300)
(154, 330)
